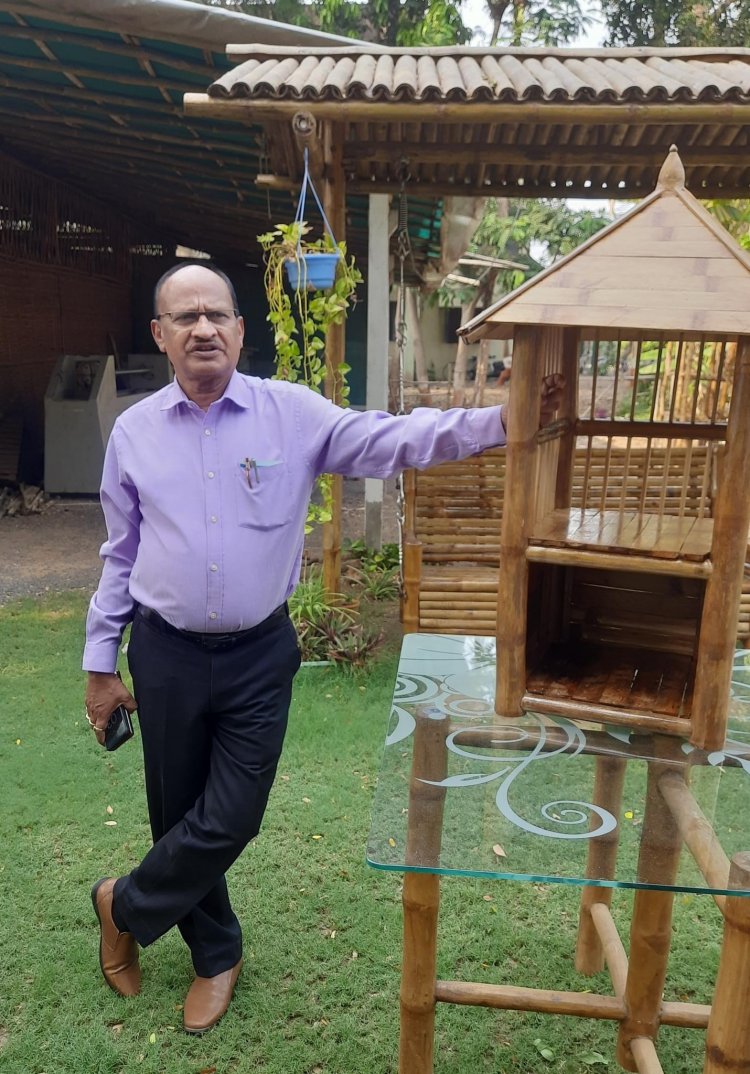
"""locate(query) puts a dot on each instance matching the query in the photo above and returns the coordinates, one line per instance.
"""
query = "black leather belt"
(209, 640)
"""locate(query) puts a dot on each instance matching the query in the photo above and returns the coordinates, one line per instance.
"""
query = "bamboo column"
(334, 202)
(518, 516)
(602, 858)
(651, 925)
(421, 897)
(412, 559)
(724, 586)
(728, 1036)
(569, 410)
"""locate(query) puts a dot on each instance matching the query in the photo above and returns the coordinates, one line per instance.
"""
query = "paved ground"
(59, 549)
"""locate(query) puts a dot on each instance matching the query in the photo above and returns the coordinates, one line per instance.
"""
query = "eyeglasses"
(190, 318)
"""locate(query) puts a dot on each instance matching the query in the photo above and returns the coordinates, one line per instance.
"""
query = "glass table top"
(462, 791)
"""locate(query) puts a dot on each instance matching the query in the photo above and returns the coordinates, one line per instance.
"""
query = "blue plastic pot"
(314, 271)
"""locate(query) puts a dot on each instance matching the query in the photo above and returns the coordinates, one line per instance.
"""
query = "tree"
(411, 23)
(527, 232)
(677, 22)
(535, 22)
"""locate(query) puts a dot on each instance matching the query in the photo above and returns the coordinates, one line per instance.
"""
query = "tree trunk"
(458, 394)
(481, 376)
(420, 361)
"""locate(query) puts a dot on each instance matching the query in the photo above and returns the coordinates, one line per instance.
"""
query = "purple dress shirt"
(205, 510)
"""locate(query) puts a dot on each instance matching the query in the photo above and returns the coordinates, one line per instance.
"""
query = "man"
(205, 491)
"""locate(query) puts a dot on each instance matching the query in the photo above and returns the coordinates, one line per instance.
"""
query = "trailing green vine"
(301, 317)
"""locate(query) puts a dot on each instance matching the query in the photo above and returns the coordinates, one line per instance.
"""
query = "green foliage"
(414, 23)
(300, 319)
(329, 626)
(373, 559)
(677, 22)
(535, 233)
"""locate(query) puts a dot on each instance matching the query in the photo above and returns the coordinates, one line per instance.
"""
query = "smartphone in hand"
(119, 729)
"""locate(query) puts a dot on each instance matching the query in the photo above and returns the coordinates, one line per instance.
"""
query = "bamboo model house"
(623, 608)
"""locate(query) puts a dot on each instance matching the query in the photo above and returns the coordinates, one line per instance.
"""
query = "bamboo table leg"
(420, 900)
(651, 925)
(421, 895)
(602, 857)
(728, 1036)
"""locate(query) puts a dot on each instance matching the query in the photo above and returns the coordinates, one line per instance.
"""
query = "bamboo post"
(334, 202)
(569, 410)
(651, 924)
(602, 857)
(518, 515)
(728, 1036)
(411, 558)
(421, 896)
(716, 641)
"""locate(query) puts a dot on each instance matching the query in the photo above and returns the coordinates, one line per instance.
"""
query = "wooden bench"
(453, 516)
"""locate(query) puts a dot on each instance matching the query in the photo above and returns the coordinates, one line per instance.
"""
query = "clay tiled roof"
(507, 122)
(611, 76)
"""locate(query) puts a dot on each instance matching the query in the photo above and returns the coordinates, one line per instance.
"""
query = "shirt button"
(214, 567)
(210, 473)
(214, 518)
(213, 615)
(206, 432)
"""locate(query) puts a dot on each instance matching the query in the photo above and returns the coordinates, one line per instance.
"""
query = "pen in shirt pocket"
(251, 468)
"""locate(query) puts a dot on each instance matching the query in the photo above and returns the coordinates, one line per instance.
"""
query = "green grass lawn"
(319, 991)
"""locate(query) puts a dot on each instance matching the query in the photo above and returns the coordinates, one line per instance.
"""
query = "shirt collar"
(235, 392)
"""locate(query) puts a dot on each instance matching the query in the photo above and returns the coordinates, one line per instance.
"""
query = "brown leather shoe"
(118, 951)
(208, 999)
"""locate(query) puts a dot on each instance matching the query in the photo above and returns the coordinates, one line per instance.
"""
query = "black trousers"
(212, 718)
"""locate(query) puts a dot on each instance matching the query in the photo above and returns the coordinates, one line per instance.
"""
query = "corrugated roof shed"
(91, 93)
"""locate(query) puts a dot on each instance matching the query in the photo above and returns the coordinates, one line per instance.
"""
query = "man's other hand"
(553, 386)
(104, 692)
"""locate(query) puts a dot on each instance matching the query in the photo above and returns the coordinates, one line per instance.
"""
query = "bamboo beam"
(543, 1000)
(519, 510)
(668, 430)
(575, 710)
(579, 156)
(685, 1015)
(696, 831)
(600, 865)
(644, 1054)
(612, 946)
(716, 641)
(728, 1036)
(720, 113)
(534, 186)
(651, 924)
(334, 203)
(581, 557)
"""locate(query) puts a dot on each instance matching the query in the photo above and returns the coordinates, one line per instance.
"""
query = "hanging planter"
(310, 286)
(312, 270)
(311, 265)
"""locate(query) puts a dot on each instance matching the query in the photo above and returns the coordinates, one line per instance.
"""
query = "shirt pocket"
(264, 502)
